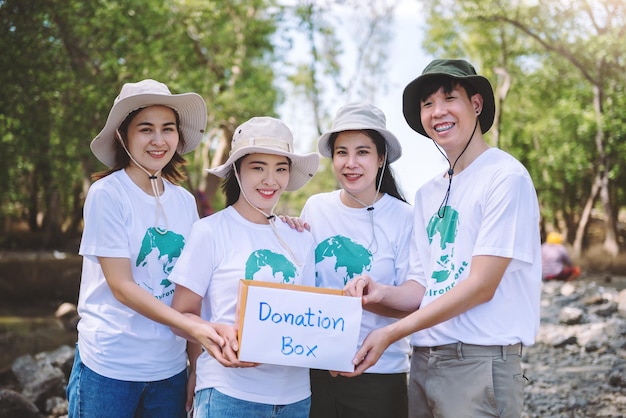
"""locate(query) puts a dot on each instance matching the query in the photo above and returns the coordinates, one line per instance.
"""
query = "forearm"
(383, 310)
(477, 289)
(193, 352)
(147, 305)
(455, 302)
(402, 299)
(185, 330)
(118, 274)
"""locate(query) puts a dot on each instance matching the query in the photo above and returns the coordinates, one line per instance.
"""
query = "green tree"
(346, 44)
(564, 61)
(65, 61)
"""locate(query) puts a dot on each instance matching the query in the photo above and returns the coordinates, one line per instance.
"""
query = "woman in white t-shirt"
(128, 362)
(364, 227)
(244, 241)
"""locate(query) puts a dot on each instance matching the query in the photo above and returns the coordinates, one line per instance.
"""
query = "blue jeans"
(210, 403)
(91, 395)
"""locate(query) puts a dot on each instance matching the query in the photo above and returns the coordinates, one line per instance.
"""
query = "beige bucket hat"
(267, 135)
(191, 109)
(359, 116)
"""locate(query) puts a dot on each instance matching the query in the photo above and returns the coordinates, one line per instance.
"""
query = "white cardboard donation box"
(299, 326)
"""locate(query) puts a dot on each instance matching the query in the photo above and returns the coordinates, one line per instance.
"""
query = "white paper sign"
(298, 326)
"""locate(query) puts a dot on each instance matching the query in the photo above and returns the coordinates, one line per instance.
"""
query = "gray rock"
(605, 310)
(617, 376)
(571, 316)
(56, 406)
(16, 405)
(577, 368)
(621, 303)
(39, 379)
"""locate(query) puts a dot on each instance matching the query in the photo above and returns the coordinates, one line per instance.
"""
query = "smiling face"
(263, 179)
(356, 163)
(449, 118)
(153, 137)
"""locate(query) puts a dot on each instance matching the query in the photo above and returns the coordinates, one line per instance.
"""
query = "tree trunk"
(52, 231)
(501, 92)
(610, 222)
(211, 182)
(585, 216)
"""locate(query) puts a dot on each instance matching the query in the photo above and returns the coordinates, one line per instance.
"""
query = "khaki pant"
(462, 380)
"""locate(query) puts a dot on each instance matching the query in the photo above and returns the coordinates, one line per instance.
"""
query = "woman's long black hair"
(230, 186)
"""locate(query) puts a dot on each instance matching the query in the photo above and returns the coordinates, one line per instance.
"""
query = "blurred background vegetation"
(558, 68)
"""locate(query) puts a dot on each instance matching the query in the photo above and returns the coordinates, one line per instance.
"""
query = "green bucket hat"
(456, 69)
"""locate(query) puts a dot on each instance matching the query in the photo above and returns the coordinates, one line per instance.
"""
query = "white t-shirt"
(346, 248)
(115, 340)
(492, 210)
(223, 249)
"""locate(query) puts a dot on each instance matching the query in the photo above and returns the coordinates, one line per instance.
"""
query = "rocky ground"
(577, 368)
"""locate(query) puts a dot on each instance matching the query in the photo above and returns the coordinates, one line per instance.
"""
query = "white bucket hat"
(357, 117)
(267, 135)
(190, 107)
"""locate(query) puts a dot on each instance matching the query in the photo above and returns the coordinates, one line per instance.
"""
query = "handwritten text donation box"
(295, 325)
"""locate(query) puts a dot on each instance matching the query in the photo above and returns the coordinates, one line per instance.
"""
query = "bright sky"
(420, 159)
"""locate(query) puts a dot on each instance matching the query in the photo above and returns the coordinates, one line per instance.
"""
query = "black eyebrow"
(152, 124)
(264, 163)
(358, 147)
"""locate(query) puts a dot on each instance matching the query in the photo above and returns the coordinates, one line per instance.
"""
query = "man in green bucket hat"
(473, 291)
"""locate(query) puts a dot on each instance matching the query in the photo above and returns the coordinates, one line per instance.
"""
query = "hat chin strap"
(271, 218)
(160, 212)
(444, 203)
(373, 245)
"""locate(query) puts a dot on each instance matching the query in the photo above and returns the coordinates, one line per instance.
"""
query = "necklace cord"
(271, 218)
(372, 247)
(154, 184)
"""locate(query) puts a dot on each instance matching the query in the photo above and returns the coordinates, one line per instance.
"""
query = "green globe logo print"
(445, 230)
(350, 258)
(283, 270)
(168, 247)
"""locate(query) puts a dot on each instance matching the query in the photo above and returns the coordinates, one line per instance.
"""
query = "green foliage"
(558, 55)
(63, 63)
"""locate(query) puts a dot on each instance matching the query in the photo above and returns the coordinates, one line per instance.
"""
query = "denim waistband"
(462, 350)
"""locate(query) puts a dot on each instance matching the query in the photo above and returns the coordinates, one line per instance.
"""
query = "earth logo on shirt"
(445, 230)
(168, 247)
(283, 270)
(350, 258)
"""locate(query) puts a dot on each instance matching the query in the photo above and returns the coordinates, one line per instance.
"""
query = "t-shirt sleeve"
(403, 250)
(105, 233)
(510, 215)
(194, 267)
(417, 247)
